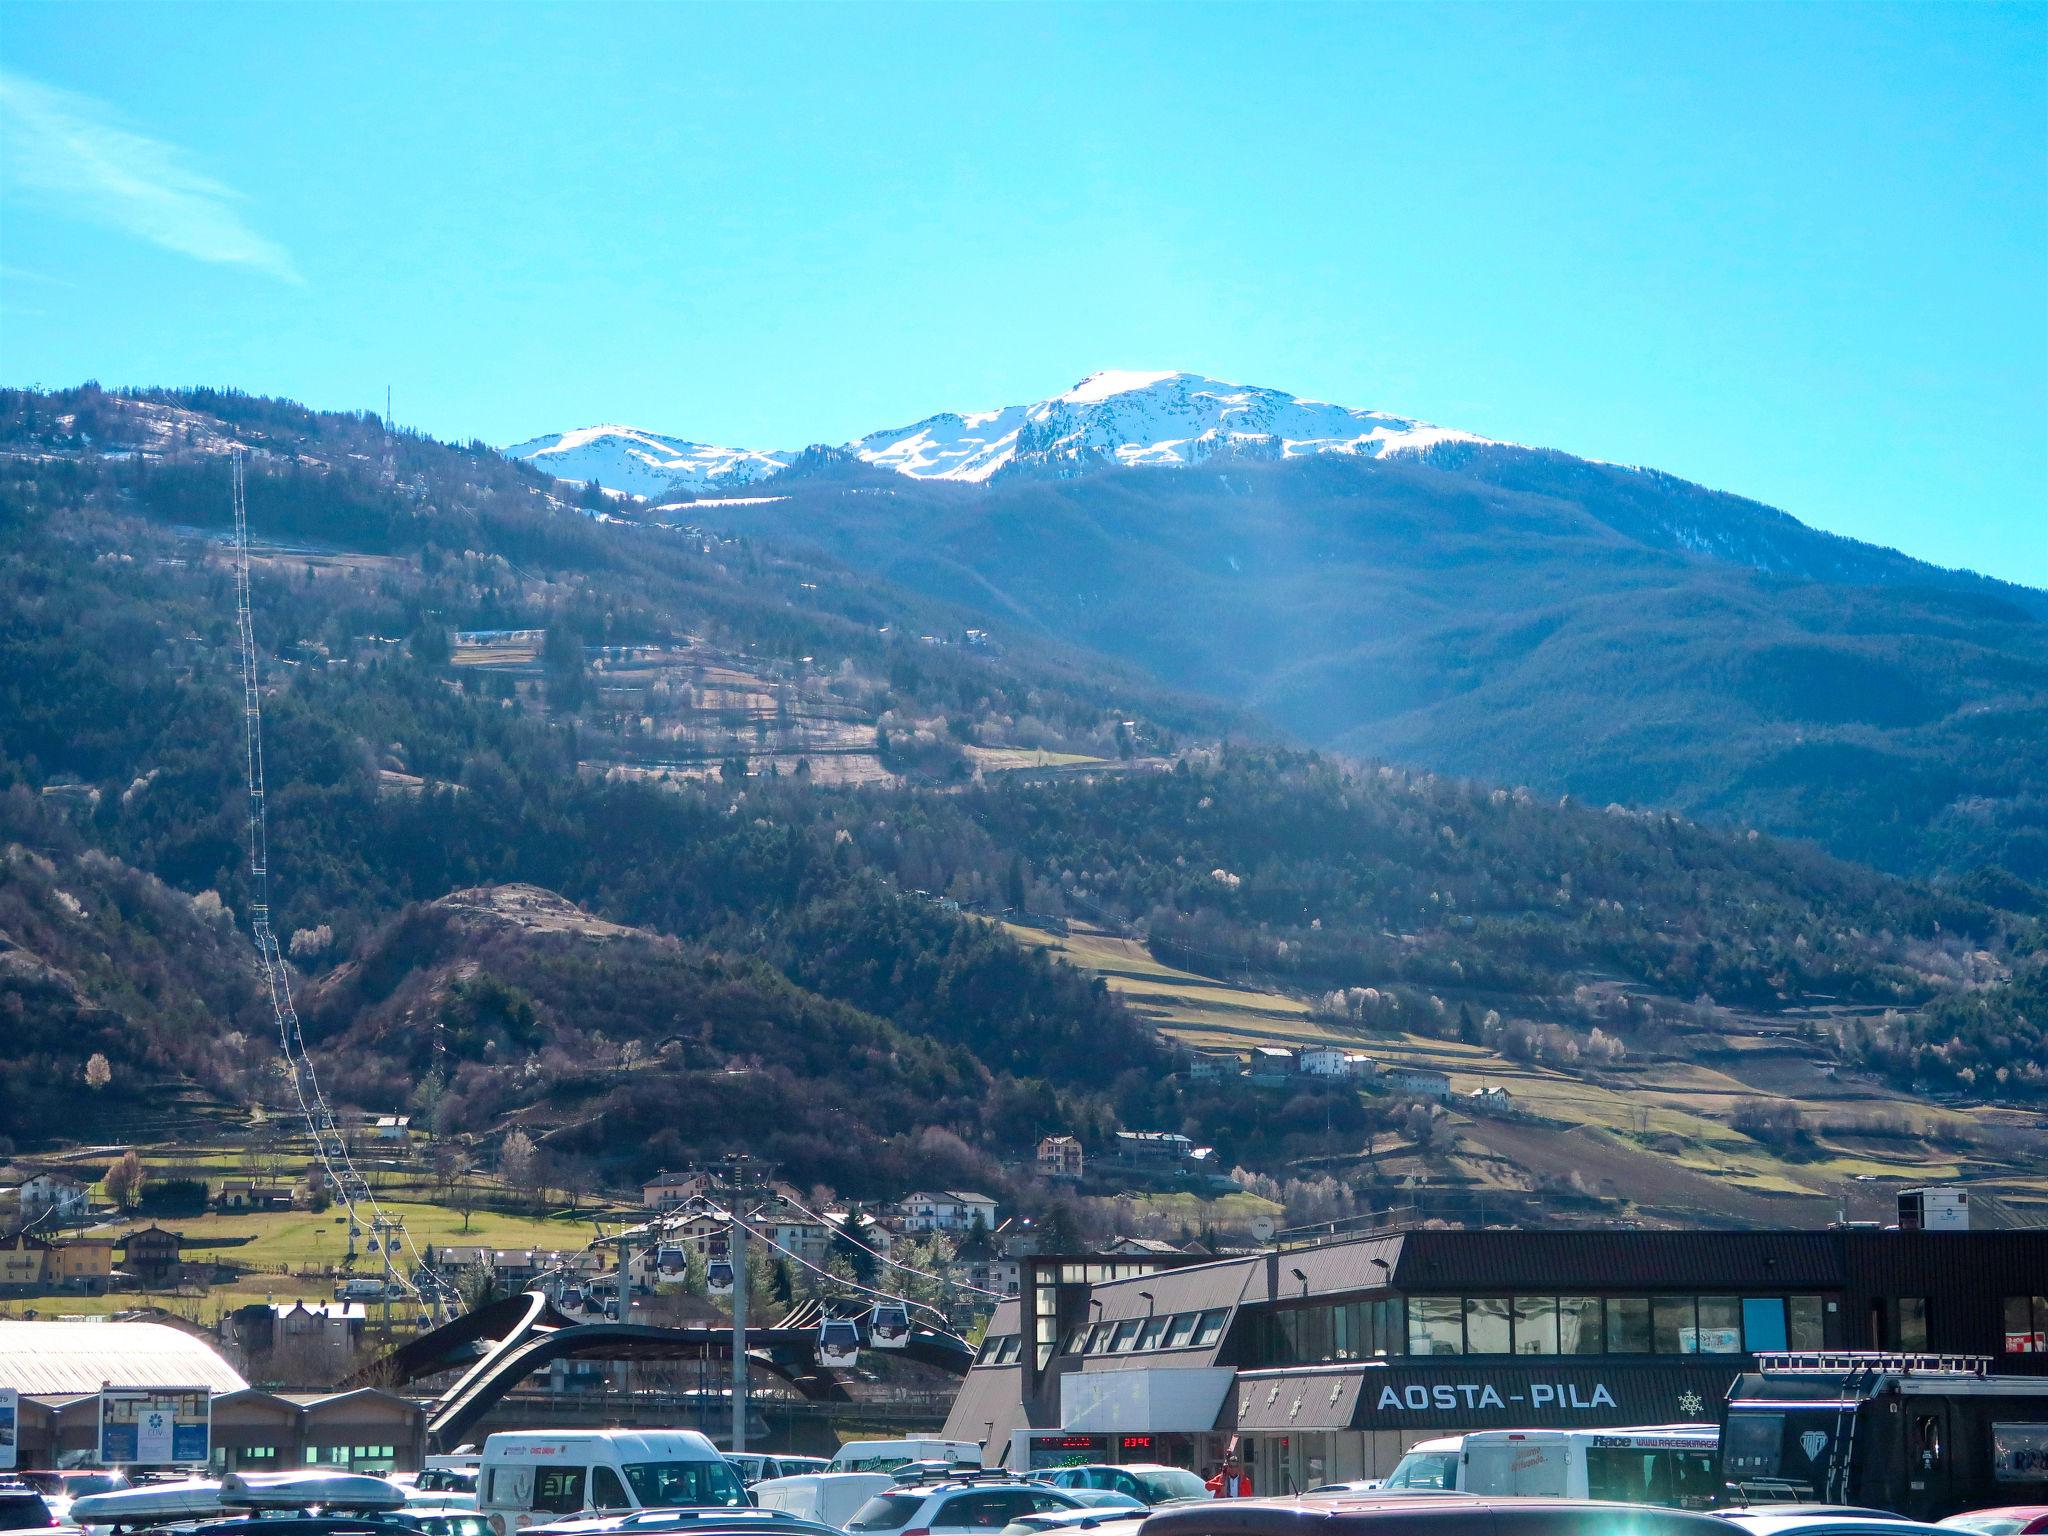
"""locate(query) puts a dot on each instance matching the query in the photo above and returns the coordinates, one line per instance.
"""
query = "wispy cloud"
(75, 153)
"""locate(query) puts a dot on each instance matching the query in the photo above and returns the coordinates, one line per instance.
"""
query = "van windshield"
(1425, 1469)
(666, 1484)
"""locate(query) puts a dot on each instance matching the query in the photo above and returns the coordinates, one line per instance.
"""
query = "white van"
(888, 1455)
(1675, 1465)
(830, 1497)
(1431, 1466)
(534, 1477)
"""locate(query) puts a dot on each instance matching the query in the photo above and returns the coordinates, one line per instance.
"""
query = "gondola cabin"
(889, 1327)
(1923, 1435)
(838, 1343)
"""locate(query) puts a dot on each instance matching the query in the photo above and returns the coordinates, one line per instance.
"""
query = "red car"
(2013, 1520)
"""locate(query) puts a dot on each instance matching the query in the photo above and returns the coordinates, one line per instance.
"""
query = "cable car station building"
(1327, 1362)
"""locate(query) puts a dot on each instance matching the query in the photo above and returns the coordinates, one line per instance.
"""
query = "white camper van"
(534, 1477)
(1675, 1465)
(888, 1455)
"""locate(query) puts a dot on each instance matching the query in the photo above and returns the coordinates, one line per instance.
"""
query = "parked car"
(441, 1522)
(2013, 1520)
(969, 1504)
(1808, 1524)
(1149, 1482)
(22, 1508)
(700, 1521)
(755, 1466)
(1426, 1514)
(1098, 1522)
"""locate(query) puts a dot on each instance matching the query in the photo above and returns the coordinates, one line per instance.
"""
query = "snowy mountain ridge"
(1164, 419)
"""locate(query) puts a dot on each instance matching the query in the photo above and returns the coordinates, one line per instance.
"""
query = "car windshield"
(1425, 1469)
(885, 1512)
(79, 1484)
(1172, 1483)
(659, 1483)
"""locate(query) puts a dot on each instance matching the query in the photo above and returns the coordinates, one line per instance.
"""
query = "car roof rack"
(1842, 1362)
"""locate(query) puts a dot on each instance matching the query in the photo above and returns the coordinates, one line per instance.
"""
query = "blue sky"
(1796, 252)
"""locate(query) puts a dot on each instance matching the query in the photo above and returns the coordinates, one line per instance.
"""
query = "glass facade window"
(1126, 1334)
(1209, 1327)
(1487, 1331)
(1578, 1326)
(2026, 1325)
(1913, 1323)
(1674, 1325)
(1628, 1325)
(1180, 1331)
(1436, 1325)
(1153, 1331)
(1535, 1325)
(1763, 1324)
(1804, 1323)
(1720, 1327)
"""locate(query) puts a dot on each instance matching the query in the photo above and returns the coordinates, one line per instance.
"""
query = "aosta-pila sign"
(1467, 1395)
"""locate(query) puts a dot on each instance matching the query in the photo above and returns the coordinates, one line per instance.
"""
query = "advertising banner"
(1480, 1393)
(155, 1426)
(10, 1427)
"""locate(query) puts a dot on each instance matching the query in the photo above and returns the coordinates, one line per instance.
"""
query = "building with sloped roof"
(1326, 1363)
(70, 1357)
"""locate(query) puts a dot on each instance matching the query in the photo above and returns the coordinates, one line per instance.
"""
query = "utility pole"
(740, 1175)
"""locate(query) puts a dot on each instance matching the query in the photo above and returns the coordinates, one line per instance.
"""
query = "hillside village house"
(1158, 1148)
(150, 1254)
(252, 1195)
(82, 1264)
(394, 1128)
(1334, 1061)
(1060, 1157)
(1214, 1066)
(49, 1192)
(1272, 1066)
(23, 1258)
(1423, 1082)
(666, 1191)
(947, 1210)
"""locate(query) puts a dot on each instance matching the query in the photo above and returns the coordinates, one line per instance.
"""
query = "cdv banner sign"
(155, 1426)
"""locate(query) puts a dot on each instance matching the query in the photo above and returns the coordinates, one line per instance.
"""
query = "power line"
(329, 1146)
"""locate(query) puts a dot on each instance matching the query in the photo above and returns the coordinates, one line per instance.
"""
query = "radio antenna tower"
(321, 1124)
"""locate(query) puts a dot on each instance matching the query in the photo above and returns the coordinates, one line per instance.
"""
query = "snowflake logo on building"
(1690, 1404)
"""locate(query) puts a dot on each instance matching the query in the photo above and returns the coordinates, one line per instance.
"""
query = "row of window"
(1361, 1330)
(1176, 1330)
(999, 1349)
(1612, 1325)
(2026, 1325)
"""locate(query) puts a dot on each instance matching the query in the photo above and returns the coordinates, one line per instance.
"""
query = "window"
(1209, 1326)
(1436, 1325)
(668, 1483)
(1179, 1330)
(1126, 1334)
(2026, 1325)
(1913, 1323)
(606, 1491)
(1012, 1345)
(1628, 1325)
(1763, 1324)
(1674, 1325)
(1486, 1326)
(1720, 1326)
(1578, 1325)
(1806, 1329)
(886, 1512)
(558, 1490)
(1535, 1325)
(1153, 1331)
(1099, 1337)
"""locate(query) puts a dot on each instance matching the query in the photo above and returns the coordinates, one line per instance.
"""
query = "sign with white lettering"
(1476, 1394)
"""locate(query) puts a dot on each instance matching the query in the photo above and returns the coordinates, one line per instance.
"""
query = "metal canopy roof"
(79, 1357)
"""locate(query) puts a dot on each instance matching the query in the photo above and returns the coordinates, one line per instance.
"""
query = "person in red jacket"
(1233, 1482)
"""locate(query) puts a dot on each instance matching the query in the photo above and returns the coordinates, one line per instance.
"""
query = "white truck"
(888, 1455)
(1675, 1465)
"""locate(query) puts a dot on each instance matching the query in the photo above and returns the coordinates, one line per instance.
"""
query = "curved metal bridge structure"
(499, 1345)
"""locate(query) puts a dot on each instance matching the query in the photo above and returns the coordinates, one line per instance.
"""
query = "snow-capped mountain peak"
(1115, 417)
(643, 463)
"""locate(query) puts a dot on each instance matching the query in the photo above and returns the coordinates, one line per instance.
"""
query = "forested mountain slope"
(1518, 616)
(549, 790)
